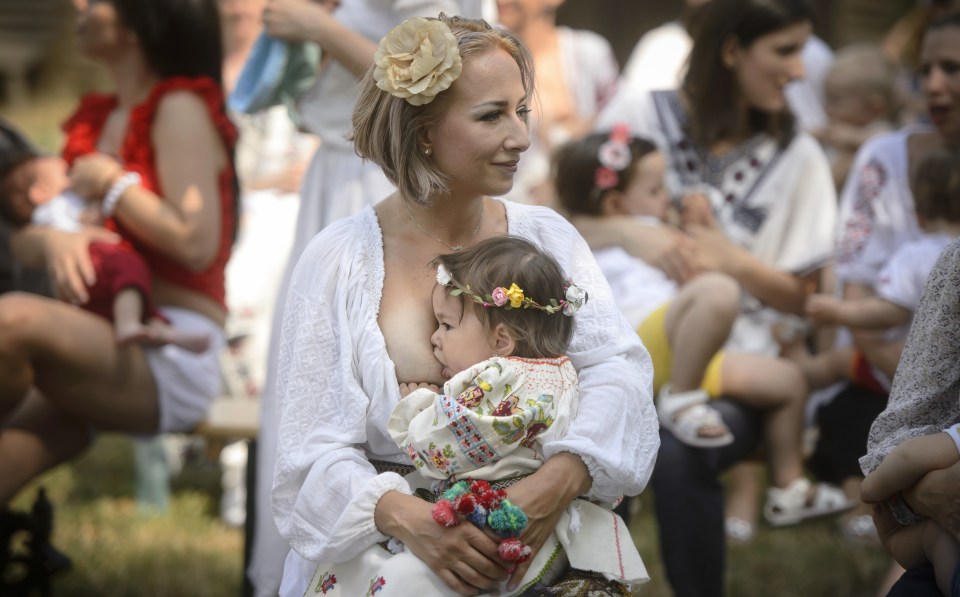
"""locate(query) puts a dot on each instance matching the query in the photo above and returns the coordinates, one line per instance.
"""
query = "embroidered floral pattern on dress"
(859, 227)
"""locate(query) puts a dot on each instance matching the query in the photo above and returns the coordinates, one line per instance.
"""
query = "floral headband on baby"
(416, 60)
(513, 298)
(614, 156)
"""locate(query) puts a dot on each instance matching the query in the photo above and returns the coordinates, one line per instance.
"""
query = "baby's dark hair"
(575, 170)
(936, 186)
(15, 150)
(504, 260)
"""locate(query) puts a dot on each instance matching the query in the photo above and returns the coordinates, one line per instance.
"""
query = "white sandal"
(686, 413)
(792, 504)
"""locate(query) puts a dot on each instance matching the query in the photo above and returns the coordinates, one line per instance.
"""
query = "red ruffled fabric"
(83, 130)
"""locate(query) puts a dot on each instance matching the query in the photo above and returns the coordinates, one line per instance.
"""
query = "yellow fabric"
(653, 333)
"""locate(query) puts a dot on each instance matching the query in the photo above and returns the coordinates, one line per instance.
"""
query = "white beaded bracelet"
(116, 191)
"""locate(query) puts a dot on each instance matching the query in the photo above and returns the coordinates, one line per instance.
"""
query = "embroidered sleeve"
(926, 389)
(325, 489)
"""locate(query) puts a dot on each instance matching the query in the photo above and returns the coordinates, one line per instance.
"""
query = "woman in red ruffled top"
(158, 154)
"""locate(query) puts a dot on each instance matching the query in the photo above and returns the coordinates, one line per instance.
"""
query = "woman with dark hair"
(758, 204)
(157, 154)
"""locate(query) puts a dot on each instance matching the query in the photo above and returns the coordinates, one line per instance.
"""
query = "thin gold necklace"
(453, 248)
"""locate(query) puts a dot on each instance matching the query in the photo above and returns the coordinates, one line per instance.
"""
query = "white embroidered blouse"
(337, 386)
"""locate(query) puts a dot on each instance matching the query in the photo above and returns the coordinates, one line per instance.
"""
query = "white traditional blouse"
(337, 387)
(777, 202)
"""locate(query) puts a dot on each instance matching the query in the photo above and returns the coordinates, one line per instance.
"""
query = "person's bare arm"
(660, 246)
(937, 495)
(66, 256)
(907, 463)
(303, 20)
(778, 289)
(869, 312)
(185, 224)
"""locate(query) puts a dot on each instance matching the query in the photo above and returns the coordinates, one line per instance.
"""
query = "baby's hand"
(408, 388)
(695, 210)
(821, 309)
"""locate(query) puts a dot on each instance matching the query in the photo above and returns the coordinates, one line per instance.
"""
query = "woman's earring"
(427, 151)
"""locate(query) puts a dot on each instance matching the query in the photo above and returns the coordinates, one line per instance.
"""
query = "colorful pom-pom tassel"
(444, 514)
(478, 516)
(512, 550)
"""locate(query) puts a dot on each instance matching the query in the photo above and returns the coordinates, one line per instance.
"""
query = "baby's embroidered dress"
(489, 423)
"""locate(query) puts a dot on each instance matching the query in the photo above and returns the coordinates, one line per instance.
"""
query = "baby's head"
(861, 87)
(936, 188)
(611, 174)
(504, 297)
(28, 178)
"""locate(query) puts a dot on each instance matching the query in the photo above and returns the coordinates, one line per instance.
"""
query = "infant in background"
(34, 190)
(899, 285)
(861, 99)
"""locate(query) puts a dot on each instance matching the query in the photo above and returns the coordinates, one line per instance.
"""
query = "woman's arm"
(907, 463)
(185, 224)
(868, 312)
(937, 496)
(66, 255)
(303, 20)
(778, 289)
(660, 246)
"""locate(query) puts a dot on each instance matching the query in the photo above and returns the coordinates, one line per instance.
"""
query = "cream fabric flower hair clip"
(416, 60)
(512, 297)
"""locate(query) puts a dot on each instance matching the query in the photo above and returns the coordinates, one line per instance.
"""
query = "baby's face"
(460, 340)
(47, 179)
(847, 106)
(33, 183)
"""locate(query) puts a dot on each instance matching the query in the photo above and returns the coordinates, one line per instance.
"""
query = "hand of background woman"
(544, 496)
(92, 175)
(714, 252)
(937, 495)
(68, 261)
(294, 20)
(464, 556)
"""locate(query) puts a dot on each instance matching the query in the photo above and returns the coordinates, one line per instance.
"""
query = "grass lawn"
(189, 552)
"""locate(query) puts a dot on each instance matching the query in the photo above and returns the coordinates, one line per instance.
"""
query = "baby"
(899, 285)
(504, 321)
(34, 189)
(861, 100)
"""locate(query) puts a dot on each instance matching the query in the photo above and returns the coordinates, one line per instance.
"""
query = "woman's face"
(100, 34)
(940, 79)
(478, 141)
(764, 68)
(460, 340)
(646, 195)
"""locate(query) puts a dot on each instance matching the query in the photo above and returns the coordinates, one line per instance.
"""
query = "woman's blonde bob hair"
(387, 130)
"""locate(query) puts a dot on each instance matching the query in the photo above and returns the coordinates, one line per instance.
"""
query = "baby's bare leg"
(129, 327)
(698, 323)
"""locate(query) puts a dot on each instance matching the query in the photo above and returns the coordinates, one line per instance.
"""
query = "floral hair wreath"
(614, 156)
(416, 60)
(513, 298)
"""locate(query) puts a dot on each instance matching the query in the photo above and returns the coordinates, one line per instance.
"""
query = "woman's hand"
(937, 495)
(695, 210)
(293, 20)
(714, 252)
(68, 261)
(92, 175)
(464, 556)
(886, 524)
(543, 496)
(821, 309)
